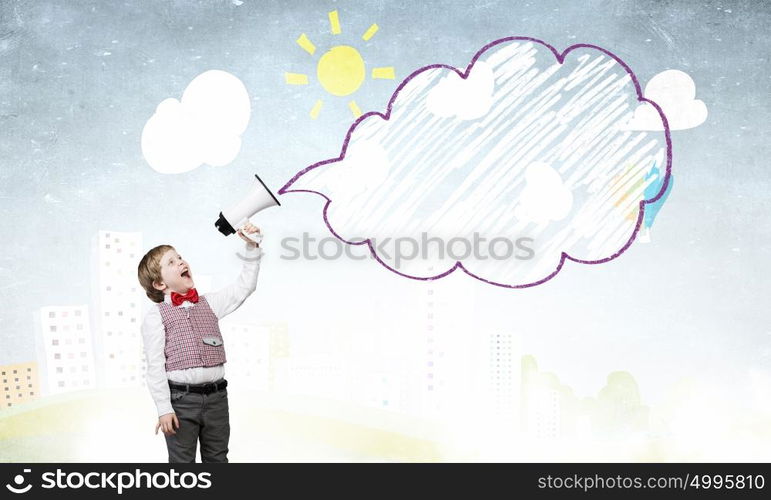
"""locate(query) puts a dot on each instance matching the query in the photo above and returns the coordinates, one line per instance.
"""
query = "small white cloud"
(545, 197)
(675, 92)
(205, 126)
(467, 99)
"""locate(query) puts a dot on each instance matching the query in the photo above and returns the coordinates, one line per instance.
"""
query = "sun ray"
(316, 109)
(370, 32)
(385, 73)
(296, 78)
(306, 44)
(334, 22)
(354, 109)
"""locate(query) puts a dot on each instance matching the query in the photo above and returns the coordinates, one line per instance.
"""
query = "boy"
(185, 352)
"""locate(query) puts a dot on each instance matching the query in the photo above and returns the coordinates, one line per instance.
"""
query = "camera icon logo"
(18, 480)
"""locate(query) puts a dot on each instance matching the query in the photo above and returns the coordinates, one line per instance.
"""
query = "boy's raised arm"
(154, 338)
(228, 299)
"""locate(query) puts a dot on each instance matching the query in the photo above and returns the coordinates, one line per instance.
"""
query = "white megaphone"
(235, 217)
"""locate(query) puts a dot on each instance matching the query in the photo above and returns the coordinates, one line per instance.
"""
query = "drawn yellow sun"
(340, 70)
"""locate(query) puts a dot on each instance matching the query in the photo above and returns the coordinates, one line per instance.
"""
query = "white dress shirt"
(222, 303)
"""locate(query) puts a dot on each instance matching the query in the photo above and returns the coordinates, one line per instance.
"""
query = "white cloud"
(205, 126)
(468, 98)
(545, 198)
(548, 159)
(675, 92)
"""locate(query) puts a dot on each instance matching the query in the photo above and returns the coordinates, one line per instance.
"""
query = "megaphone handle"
(255, 237)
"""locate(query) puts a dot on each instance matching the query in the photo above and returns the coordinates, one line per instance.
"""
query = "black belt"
(200, 388)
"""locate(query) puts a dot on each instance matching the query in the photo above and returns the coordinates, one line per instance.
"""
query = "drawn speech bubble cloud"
(520, 162)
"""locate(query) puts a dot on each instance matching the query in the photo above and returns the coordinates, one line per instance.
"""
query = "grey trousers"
(203, 417)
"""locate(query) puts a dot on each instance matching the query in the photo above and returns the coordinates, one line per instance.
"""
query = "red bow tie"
(191, 295)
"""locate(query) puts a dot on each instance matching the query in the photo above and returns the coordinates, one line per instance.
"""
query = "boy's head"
(162, 271)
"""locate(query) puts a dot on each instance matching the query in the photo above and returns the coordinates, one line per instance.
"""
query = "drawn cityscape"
(99, 345)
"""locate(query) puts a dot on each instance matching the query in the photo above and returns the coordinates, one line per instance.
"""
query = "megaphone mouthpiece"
(224, 226)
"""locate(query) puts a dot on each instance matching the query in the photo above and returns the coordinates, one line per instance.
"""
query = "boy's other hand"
(167, 423)
(248, 228)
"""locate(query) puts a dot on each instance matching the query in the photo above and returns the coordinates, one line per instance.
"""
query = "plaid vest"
(186, 329)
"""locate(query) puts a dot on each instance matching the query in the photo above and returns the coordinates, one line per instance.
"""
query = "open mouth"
(186, 274)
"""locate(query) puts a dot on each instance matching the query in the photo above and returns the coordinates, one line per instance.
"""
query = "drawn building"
(117, 301)
(502, 380)
(248, 351)
(548, 409)
(619, 410)
(64, 346)
(450, 337)
(19, 383)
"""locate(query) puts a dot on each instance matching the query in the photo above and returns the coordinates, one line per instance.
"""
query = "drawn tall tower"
(117, 298)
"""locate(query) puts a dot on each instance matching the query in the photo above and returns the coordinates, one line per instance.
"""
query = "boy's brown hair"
(149, 270)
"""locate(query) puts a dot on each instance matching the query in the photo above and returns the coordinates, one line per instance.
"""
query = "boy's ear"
(159, 286)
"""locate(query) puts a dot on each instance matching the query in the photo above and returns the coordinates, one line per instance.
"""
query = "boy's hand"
(167, 423)
(248, 228)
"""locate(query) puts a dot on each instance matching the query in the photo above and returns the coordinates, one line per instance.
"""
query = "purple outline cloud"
(458, 265)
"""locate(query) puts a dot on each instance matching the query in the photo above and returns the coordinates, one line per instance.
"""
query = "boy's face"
(175, 274)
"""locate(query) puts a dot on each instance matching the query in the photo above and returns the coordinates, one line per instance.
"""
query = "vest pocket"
(212, 349)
